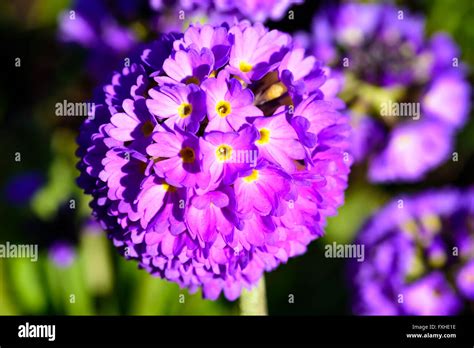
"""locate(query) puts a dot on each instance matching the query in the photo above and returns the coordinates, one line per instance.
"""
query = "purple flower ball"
(419, 256)
(216, 156)
(408, 94)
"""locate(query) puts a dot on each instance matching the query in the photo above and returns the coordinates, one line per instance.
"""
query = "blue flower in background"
(20, 188)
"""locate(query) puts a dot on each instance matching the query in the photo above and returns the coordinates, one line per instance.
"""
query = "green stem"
(254, 302)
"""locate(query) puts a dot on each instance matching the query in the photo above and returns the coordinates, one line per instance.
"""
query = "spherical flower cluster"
(419, 256)
(216, 156)
(408, 95)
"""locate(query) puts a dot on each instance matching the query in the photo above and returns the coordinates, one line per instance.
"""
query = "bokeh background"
(41, 204)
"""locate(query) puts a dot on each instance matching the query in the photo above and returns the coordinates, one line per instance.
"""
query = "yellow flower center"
(223, 152)
(184, 110)
(187, 154)
(264, 136)
(275, 91)
(431, 222)
(437, 260)
(252, 177)
(245, 67)
(223, 108)
(410, 227)
(147, 128)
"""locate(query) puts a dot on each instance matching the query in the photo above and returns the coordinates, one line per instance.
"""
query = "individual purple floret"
(419, 256)
(215, 172)
(408, 94)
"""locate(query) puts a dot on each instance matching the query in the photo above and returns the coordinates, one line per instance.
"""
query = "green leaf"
(26, 281)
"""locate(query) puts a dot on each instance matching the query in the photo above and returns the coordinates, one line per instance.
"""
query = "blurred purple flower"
(431, 295)
(386, 59)
(62, 253)
(94, 25)
(465, 280)
(109, 30)
(419, 256)
(254, 10)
